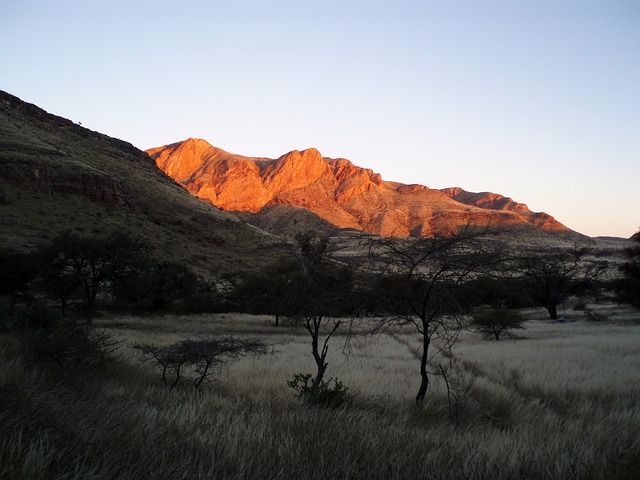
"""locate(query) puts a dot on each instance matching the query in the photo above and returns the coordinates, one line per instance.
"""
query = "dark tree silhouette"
(264, 291)
(628, 287)
(74, 264)
(17, 270)
(418, 285)
(197, 359)
(551, 278)
(164, 286)
(497, 322)
(318, 295)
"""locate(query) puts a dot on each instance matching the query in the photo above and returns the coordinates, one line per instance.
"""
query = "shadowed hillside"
(56, 175)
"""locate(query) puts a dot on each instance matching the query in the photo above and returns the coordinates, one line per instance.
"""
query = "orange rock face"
(495, 201)
(337, 191)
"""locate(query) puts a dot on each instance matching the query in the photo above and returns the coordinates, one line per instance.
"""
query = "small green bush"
(326, 394)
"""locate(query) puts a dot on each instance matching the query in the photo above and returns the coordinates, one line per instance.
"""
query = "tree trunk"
(317, 355)
(424, 382)
(553, 311)
(322, 367)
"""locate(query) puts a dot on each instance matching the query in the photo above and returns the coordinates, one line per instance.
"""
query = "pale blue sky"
(538, 100)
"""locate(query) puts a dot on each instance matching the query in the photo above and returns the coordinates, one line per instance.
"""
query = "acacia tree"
(318, 293)
(164, 286)
(195, 360)
(264, 291)
(72, 263)
(418, 283)
(497, 322)
(552, 277)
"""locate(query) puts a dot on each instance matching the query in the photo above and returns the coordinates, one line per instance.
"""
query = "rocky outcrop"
(96, 186)
(495, 201)
(337, 191)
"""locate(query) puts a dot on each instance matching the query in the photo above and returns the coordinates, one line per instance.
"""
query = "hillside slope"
(56, 175)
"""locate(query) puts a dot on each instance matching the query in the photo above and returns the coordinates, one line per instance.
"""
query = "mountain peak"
(338, 192)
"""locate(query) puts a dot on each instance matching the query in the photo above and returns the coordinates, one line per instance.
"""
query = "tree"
(264, 291)
(418, 283)
(495, 322)
(163, 286)
(628, 287)
(49, 338)
(17, 270)
(73, 264)
(499, 289)
(202, 356)
(318, 293)
(552, 277)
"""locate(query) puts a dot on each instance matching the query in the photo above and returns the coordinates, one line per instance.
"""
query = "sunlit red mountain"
(337, 191)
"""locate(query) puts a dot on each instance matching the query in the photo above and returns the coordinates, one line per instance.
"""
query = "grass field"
(561, 402)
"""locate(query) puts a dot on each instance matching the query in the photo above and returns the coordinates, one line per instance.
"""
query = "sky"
(538, 100)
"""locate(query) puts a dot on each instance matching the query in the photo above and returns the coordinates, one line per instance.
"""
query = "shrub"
(325, 394)
(37, 316)
(195, 360)
(497, 321)
(71, 345)
(594, 316)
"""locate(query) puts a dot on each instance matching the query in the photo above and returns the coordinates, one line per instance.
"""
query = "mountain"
(338, 192)
(56, 175)
(495, 201)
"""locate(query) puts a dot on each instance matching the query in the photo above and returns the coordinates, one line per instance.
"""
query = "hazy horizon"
(538, 102)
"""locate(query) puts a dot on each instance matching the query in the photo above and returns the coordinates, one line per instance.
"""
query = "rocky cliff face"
(95, 186)
(337, 191)
(495, 201)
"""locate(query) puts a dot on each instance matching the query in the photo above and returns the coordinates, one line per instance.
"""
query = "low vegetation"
(497, 322)
(561, 403)
(90, 389)
(196, 360)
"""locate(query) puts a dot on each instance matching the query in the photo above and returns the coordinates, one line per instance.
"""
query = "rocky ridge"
(338, 192)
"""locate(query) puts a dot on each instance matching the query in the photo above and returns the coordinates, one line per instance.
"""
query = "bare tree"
(417, 285)
(318, 296)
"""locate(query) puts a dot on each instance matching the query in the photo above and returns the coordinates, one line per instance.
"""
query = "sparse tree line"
(113, 272)
(436, 286)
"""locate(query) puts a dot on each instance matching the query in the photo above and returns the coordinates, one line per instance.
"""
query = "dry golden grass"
(564, 402)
